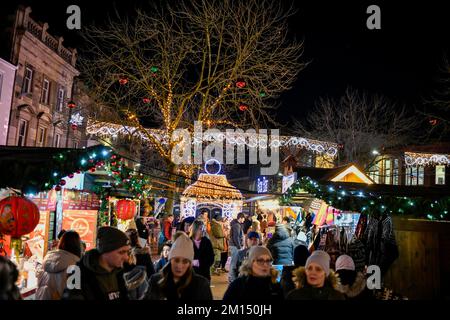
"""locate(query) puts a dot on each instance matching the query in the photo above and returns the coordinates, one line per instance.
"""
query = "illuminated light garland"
(357, 201)
(425, 159)
(252, 140)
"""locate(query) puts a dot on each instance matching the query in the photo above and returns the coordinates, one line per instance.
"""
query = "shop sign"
(288, 181)
(84, 222)
(79, 200)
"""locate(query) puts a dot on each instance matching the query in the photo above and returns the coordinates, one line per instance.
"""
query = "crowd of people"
(121, 266)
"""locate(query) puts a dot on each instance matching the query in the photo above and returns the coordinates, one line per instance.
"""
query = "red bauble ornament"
(78, 171)
(123, 81)
(125, 209)
(18, 216)
(243, 107)
(114, 163)
(92, 170)
(113, 157)
(433, 122)
(71, 104)
(240, 84)
(74, 126)
(62, 182)
(146, 100)
(58, 188)
(91, 160)
(71, 175)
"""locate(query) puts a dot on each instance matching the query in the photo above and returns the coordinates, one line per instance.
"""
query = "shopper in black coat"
(177, 281)
(141, 256)
(301, 254)
(257, 279)
(203, 250)
(281, 245)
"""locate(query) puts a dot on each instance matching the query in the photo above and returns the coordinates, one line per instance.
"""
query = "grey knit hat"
(110, 239)
(321, 258)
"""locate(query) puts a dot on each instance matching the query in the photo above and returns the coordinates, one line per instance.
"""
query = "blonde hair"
(246, 270)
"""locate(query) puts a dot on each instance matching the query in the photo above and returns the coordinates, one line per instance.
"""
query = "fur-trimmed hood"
(299, 278)
(245, 270)
(354, 290)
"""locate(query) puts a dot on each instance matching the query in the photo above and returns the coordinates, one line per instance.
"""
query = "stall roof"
(347, 173)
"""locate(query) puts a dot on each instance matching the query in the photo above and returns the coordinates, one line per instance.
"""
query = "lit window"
(387, 171)
(395, 173)
(440, 174)
(415, 175)
(60, 100)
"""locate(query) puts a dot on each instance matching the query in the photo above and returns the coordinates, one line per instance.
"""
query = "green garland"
(341, 198)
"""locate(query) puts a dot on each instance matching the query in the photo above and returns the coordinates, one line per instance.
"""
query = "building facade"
(40, 116)
(7, 78)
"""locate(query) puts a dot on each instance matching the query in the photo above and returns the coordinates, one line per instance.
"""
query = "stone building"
(45, 75)
(7, 77)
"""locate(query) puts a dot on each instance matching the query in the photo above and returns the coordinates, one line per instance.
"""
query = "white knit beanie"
(321, 258)
(182, 247)
(345, 262)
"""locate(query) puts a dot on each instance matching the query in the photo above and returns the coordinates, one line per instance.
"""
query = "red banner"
(84, 222)
(79, 200)
(46, 201)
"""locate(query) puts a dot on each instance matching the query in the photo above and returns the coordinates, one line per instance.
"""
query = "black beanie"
(301, 254)
(110, 239)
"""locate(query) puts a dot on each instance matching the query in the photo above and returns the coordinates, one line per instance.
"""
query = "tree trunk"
(171, 194)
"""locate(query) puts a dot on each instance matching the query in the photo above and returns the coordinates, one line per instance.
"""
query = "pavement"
(219, 285)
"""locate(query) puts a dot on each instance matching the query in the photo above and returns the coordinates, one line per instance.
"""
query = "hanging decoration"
(146, 100)
(154, 69)
(243, 107)
(18, 216)
(71, 104)
(343, 198)
(76, 120)
(240, 84)
(123, 81)
(433, 122)
(126, 209)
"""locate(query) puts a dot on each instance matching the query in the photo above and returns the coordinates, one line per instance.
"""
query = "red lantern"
(71, 104)
(125, 209)
(18, 216)
(74, 126)
(240, 84)
(123, 81)
(243, 107)
(146, 100)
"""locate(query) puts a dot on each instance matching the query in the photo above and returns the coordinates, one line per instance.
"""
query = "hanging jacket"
(52, 278)
(281, 245)
(306, 292)
(205, 255)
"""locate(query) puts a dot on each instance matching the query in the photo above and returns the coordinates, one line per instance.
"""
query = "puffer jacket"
(217, 235)
(53, 276)
(281, 245)
(306, 292)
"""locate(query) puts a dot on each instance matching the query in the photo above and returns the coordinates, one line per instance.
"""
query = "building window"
(374, 173)
(45, 91)
(28, 81)
(387, 171)
(42, 135)
(75, 144)
(57, 140)
(23, 129)
(415, 176)
(395, 172)
(440, 174)
(60, 99)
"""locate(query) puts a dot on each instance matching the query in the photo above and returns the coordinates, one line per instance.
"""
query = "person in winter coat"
(203, 250)
(164, 258)
(217, 241)
(236, 241)
(140, 255)
(52, 278)
(8, 278)
(257, 279)
(101, 269)
(177, 280)
(301, 254)
(315, 281)
(281, 245)
(204, 217)
(237, 260)
(352, 284)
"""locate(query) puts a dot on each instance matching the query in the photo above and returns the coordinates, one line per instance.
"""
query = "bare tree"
(359, 123)
(221, 62)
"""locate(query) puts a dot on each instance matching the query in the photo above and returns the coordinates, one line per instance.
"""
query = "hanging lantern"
(71, 104)
(433, 122)
(123, 81)
(243, 107)
(154, 69)
(18, 216)
(74, 126)
(146, 100)
(125, 209)
(240, 84)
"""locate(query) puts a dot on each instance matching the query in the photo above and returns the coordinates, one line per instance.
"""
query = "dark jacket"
(160, 264)
(205, 256)
(305, 292)
(357, 290)
(144, 259)
(281, 245)
(236, 263)
(141, 228)
(236, 234)
(197, 290)
(252, 288)
(246, 225)
(286, 279)
(97, 283)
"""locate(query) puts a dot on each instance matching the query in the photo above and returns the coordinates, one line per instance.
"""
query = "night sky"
(400, 61)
